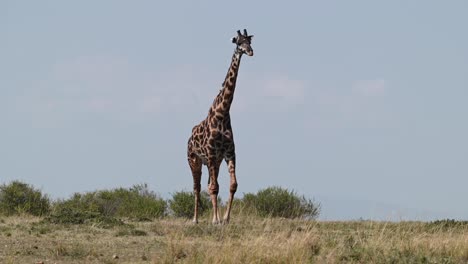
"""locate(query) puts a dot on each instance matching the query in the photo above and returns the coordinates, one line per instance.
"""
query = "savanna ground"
(275, 225)
(247, 239)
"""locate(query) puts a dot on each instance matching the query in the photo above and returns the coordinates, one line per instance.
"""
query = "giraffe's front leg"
(213, 188)
(232, 188)
(196, 167)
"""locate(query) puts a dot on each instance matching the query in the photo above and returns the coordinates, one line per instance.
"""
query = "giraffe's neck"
(222, 103)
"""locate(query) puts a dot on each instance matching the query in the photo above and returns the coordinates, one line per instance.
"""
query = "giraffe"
(212, 139)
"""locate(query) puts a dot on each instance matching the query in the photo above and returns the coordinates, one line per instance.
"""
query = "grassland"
(247, 239)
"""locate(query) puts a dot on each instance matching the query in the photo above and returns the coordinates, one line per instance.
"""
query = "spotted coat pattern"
(212, 140)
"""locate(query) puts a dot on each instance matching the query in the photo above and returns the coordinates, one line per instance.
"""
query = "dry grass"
(246, 240)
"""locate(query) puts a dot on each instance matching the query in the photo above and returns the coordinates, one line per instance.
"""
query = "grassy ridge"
(138, 202)
(274, 225)
(248, 239)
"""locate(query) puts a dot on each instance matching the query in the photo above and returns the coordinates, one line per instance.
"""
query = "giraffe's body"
(212, 140)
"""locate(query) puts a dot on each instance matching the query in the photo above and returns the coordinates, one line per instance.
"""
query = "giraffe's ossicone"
(212, 140)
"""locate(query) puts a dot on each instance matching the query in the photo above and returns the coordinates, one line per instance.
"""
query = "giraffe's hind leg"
(232, 188)
(196, 167)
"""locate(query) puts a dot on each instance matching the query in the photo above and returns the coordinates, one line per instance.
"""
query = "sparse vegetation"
(274, 225)
(106, 207)
(64, 215)
(449, 223)
(247, 239)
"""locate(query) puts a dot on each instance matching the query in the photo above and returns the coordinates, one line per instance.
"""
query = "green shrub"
(18, 197)
(182, 203)
(65, 215)
(136, 202)
(81, 203)
(279, 202)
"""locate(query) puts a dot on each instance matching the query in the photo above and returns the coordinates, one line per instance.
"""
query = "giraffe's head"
(243, 42)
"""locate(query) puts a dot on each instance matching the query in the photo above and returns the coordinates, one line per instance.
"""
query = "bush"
(87, 202)
(65, 215)
(279, 202)
(136, 202)
(18, 197)
(182, 203)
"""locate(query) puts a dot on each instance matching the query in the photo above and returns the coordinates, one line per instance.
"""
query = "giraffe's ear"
(234, 40)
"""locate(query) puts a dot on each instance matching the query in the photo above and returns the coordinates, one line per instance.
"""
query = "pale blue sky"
(361, 105)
